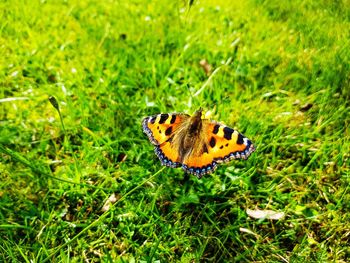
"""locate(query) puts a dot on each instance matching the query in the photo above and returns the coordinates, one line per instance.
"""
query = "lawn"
(79, 180)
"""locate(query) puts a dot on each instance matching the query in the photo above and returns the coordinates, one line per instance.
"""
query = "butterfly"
(195, 144)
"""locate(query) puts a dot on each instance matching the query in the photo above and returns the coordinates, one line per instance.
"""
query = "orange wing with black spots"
(160, 130)
(168, 154)
(221, 144)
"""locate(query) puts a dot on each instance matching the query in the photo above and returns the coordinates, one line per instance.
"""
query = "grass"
(280, 75)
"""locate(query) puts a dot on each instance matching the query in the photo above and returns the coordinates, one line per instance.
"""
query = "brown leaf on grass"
(121, 157)
(205, 66)
(265, 214)
(111, 200)
(306, 107)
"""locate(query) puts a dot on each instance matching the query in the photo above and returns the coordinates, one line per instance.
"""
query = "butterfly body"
(195, 144)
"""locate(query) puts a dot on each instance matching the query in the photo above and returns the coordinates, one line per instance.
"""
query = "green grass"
(281, 77)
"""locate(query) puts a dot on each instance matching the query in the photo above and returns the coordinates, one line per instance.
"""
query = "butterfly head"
(198, 113)
(196, 123)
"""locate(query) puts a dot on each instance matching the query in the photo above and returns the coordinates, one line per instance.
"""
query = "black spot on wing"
(216, 129)
(240, 139)
(169, 130)
(173, 118)
(205, 148)
(163, 118)
(212, 142)
(153, 119)
(228, 133)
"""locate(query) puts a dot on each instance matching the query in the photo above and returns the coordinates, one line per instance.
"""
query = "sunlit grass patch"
(279, 73)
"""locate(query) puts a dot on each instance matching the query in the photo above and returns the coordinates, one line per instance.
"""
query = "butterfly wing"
(160, 130)
(218, 144)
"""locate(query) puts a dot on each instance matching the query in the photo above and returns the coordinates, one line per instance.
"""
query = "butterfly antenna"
(190, 99)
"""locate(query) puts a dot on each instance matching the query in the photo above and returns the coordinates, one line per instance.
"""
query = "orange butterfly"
(195, 144)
